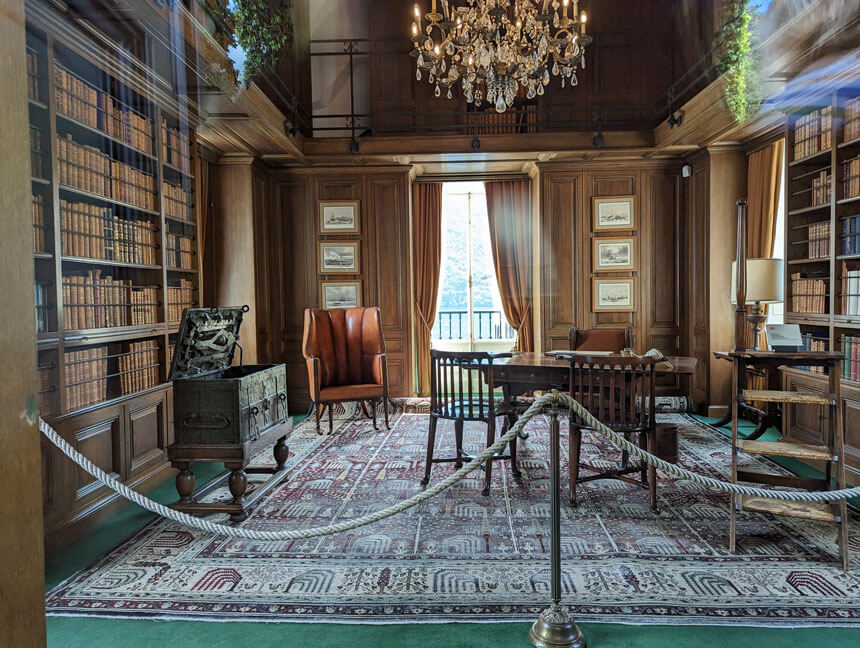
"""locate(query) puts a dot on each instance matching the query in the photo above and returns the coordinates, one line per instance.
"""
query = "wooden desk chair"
(462, 389)
(619, 392)
(615, 340)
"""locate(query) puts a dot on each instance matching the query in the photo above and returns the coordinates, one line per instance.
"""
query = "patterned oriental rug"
(462, 556)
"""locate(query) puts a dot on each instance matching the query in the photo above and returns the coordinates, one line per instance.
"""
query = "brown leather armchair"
(615, 340)
(345, 353)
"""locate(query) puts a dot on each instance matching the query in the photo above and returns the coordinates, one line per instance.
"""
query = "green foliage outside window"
(262, 28)
(737, 63)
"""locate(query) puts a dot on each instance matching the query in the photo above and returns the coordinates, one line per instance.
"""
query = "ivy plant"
(737, 63)
(262, 28)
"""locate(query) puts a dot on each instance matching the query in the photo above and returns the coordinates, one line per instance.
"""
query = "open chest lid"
(206, 341)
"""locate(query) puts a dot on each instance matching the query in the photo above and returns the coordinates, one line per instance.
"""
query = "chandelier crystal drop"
(491, 48)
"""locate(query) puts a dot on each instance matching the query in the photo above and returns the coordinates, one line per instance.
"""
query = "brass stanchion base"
(555, 628)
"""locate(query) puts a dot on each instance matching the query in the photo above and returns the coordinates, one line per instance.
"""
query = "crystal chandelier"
(492, 47)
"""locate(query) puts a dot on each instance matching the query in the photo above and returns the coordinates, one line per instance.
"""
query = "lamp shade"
(765, 281)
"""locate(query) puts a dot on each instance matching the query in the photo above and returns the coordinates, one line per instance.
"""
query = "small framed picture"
(339, 257)
(341, 294)
(611, 254)
(613, 295)
(614, 213)
(339, 217)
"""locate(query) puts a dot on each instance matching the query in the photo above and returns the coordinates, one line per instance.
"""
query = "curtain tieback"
(428, 325)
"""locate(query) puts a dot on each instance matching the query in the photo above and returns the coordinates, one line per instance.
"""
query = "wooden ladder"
(830, 453)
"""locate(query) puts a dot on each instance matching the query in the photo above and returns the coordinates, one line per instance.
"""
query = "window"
(469, 314)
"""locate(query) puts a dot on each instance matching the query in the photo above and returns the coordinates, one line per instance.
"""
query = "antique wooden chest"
(215, 403)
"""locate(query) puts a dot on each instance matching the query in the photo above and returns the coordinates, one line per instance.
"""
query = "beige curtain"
(510, 215)
(764, 173)
(427, 255)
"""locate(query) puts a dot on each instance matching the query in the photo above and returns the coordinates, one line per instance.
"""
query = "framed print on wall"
(612, 213)
(612, 254)
(339, 217)
(613, 295)
(339, 257)
(341, 294)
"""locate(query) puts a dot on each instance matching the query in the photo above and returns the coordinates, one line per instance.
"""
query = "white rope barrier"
(702, 480)
(537, 406)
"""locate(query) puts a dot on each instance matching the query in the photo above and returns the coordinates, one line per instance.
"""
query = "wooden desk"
(524, 372)
(527, 371)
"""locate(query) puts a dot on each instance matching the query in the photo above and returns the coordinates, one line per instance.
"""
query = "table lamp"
(765, 285)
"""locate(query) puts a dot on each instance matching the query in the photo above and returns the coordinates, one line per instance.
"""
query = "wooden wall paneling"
(267, 270)
(148, 432)
(234, 243)
(660, 252)
(727, 182)
(294, 253)
(22, 568)
(851, 419)
(99, 436)
(387, 230)
(385, 270)
(566, 255)
(392, 70)
(696, 269)
(599, 184)
(560, 209)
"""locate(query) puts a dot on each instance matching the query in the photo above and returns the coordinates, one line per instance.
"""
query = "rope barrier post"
(555, 627)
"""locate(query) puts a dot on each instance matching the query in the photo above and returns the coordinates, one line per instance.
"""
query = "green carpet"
(74, 632)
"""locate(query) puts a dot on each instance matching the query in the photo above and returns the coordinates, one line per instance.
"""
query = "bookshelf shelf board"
(810, 318)
(47, 340)
(814, 319)
(178, 171)
(182, 270)
(805, 261)
(846, 323)
(115, 400)
(809, 174)
(853, 142)
(35, 103)
(41, 181)
(808, 210)
(848, 257)
(44, 256)
(75, 124)
(846, 201)
(110, 201)
(180, 221)
(810, 158)
(83, 337)
(102, 262)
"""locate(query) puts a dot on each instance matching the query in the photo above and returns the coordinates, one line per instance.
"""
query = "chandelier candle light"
(492, 47)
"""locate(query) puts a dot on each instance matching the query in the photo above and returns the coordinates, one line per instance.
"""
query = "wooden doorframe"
(22, 569)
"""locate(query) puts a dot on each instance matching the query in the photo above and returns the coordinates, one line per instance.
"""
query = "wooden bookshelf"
(822, 236)
(115, 255)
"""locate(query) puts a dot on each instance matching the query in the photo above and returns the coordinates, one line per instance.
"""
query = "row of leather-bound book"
(96, 232)
(93, 301)
(99, 110)
(90, 169)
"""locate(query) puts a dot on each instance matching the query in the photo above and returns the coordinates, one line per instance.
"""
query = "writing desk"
(527, 371)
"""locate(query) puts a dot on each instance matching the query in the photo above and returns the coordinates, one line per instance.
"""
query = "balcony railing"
(486, 325)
